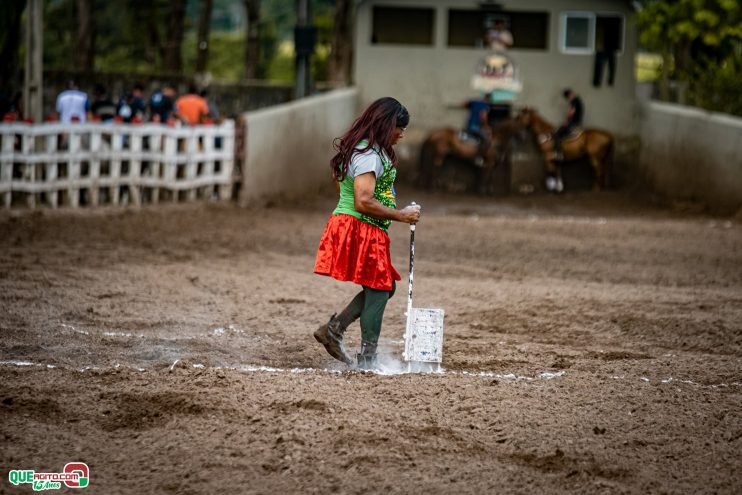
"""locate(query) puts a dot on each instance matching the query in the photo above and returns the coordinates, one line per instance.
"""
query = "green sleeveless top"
(383, 192)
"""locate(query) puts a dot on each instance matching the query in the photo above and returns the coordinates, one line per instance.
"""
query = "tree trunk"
(252, 48)
(151, 20)
(204, 29)
(173, 61)
(10, 40)
(341, 50)
(85, 50)
(665, 77)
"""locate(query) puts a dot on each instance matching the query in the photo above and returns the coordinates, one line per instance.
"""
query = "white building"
(424, 52)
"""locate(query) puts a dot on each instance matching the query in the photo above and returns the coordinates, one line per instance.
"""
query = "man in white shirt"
(72, 104)
(498, 37)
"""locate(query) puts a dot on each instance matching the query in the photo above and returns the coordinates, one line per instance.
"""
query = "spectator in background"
(103, 109)
(213, 109)
(192, 107)
(498, 37)
(131, 107)
(72, 104)
(10, 106)
(162, 104)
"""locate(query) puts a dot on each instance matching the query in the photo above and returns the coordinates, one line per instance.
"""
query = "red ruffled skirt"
(354, 251)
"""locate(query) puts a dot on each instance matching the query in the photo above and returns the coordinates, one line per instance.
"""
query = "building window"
(529, 29)
(586, 32)
(402, 26)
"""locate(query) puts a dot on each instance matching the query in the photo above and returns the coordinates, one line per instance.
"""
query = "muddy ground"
(593, 345)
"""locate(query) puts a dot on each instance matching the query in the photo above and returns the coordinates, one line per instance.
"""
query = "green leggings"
(369, 305)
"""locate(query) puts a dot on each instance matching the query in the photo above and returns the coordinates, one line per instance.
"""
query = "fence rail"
(92, 164)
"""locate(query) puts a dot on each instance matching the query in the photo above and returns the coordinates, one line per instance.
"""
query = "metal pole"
(407, 333)
(33, 98)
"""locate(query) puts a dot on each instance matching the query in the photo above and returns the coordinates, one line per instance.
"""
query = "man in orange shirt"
(191, 107)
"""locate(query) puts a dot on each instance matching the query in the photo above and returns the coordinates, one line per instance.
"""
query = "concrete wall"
(288, 147)
(430, 80)
(690, 154)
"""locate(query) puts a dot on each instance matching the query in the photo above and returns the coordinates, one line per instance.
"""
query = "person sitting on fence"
(162, 104)
(103, 109)
(192, 107)
(72, 104)
(131, 107)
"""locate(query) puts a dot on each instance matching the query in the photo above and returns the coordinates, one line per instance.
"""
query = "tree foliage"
(701, 45)
(138, 36)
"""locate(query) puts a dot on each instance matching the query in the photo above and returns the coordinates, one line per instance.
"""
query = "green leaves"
(700, 41)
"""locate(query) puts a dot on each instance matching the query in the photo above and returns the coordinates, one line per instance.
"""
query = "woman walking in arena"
(355, 244)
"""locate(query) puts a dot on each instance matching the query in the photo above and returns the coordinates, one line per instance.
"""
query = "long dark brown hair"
(376, 125)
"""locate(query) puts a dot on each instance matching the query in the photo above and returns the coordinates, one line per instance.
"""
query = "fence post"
(135, 166)
(96, 153)
(117, 145)
(227, 152)
(170, 162)
(191, 162)
(73, 167)
(29, 165)
(208, 153)
(155, 164)
(6, 166)
(52, 169)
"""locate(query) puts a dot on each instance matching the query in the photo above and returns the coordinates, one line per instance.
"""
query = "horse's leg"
(553, 171)
(485, 185)
(559, 183)
(597, 164)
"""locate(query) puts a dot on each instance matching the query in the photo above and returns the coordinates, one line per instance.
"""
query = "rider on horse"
(574, 119)
(478, 110)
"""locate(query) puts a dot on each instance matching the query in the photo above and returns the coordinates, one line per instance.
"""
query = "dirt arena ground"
(593, 345)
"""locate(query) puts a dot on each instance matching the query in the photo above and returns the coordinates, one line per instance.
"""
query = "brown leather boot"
(330, 335)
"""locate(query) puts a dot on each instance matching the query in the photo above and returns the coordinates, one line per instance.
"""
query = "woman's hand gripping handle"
(410, 214)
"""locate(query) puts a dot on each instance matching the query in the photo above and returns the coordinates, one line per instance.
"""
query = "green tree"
(10, 40)
(700, 42)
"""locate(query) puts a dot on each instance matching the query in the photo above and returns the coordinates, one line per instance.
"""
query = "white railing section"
(94, 164)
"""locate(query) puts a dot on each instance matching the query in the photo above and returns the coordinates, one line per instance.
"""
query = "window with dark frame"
(587, 32)
(530, 30)
(402, 26)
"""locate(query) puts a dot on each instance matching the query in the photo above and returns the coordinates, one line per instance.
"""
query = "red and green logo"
(74, 475)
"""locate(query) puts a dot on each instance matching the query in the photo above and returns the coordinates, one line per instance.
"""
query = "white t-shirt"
(72, 103)
(368, 161)
(500, 39)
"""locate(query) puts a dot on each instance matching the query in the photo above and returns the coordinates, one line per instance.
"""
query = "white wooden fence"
(93, 164)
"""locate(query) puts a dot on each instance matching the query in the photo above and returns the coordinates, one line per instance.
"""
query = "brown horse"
(595, 144)
(447, 141)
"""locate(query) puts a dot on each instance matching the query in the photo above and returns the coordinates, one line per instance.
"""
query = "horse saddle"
(465, 135)
(575, 133)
